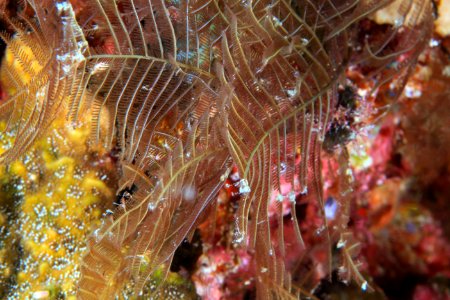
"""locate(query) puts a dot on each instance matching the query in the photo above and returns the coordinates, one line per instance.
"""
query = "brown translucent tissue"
(185, 90)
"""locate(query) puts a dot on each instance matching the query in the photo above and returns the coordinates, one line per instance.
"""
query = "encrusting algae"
(62, 190)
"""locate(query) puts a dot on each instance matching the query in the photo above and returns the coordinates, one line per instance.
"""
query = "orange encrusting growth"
(63, 190)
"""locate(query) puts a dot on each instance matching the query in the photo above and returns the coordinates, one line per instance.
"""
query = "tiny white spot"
(41, 295)
(280, 198)
(304, 191)
(244, 188)
(189, 193)
(341, 244)
(151, 206)
(364, 286)
(291, 197)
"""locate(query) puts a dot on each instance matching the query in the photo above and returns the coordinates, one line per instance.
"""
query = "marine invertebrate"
(185, 89)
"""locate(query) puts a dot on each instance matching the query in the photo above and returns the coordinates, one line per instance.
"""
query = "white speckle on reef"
(291, 92)
(364, 286)
(304, 191)
(41, 295)
(331, 207)
(341, 244)
(291, 197)
(434, 43)
(151, 206)
(412, 92)
(238, 237)
(276, 21)
(399, 21)
(99, 67)
(244, 188)
(63, 6)
(280, 198)
(189, 193)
